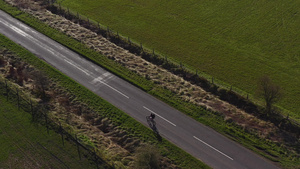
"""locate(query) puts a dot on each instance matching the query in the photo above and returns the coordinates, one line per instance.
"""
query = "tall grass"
(234, 41)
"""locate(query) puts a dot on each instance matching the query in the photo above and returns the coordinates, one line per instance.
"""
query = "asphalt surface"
(200, 141)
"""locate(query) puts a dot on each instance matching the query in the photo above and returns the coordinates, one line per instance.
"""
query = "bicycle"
(151, 122)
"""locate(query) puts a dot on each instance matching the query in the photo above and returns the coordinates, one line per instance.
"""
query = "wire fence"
(39, 115)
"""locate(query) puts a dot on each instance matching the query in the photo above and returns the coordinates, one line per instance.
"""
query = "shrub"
(2, 61)
(148, 157)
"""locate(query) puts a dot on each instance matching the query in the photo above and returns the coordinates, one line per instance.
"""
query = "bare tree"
(270, 92)
(41, 83)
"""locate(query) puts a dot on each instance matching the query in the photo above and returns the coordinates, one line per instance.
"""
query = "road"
(200, 141)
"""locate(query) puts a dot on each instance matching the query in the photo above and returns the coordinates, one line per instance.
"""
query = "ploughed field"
(235, 42)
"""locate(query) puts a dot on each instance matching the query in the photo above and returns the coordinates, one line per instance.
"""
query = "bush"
(2, 61)
(148, 157)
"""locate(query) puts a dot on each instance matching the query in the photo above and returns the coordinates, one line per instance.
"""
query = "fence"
(39, 114)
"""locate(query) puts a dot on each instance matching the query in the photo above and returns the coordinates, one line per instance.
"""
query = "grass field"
(234, 41)
(27, 145)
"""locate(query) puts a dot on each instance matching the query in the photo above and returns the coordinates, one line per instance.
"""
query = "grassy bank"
(235, 42)
(272, 150)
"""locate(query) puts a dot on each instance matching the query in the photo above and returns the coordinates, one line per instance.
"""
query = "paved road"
(200, 141)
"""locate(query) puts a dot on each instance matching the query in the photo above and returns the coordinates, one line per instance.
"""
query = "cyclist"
(152, 116)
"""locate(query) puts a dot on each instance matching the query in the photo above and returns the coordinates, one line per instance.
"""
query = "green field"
(25, 144)
(234, 41)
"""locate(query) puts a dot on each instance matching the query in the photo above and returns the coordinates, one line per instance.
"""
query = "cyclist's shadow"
(152, 125)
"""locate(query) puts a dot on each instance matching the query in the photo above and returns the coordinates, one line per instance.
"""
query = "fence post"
(77, 143)
(31, 108)
(46, 119)
(107, 32)
(6, 86)
(33, 115)
(62, 134)
(18, 98)
(96, 158)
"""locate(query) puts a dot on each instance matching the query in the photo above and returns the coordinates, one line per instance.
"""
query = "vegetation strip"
(197, 114)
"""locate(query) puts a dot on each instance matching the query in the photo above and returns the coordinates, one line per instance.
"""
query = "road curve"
(200, 141)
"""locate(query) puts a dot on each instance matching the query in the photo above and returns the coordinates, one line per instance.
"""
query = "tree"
(41, 83)
(270, 92)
